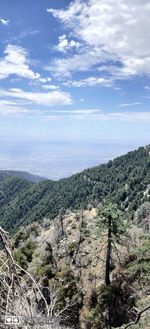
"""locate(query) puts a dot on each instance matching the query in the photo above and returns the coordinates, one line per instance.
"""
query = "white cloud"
(26, 33)
(131, 116)
(4, 21)
(117, 29)
(23, 34)
(99, 115)
(129, 104)
(50, 87)
(85, 111)
(83, 61)
(91, 81)
(44, 80)
(4, 102)
(8, 108)
(66, 15)
(39, 98)
(17, 108)
(65, 45)
(16, 62)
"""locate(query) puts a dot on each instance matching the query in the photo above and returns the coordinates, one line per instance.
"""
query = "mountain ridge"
(22, 174)
(123, 180)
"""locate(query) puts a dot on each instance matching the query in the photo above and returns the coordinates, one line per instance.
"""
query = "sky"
(74, 83)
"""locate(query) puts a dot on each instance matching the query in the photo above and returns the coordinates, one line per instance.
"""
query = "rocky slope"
(68, 255)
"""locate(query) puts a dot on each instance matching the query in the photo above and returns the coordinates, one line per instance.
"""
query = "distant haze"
(56, 160)
(75, 74)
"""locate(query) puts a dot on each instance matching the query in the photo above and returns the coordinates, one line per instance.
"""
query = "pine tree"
(111, 220)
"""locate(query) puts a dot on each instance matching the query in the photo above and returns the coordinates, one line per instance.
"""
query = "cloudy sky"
(72, 73)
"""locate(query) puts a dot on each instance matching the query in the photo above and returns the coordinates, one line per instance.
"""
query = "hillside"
(67, 258)
(125, 181)
(21, 174)
(60, 259)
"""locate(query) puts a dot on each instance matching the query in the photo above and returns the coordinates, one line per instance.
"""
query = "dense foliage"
(125, 181)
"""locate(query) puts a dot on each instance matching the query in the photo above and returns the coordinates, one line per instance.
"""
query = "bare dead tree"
(21, 295)
(79, 240)
(61, 218)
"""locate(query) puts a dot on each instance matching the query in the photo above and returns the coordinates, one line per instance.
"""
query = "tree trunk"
(108, 254)
(107, 270)
(61, 217)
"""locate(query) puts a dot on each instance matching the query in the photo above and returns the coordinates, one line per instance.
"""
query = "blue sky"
(74, 72)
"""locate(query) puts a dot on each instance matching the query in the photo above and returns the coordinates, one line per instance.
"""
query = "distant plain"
(57, 160)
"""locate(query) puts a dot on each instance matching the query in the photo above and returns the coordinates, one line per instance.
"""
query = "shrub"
(21, 259)
(72, 248)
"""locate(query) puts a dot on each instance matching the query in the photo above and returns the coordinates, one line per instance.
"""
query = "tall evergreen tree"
(112, 221)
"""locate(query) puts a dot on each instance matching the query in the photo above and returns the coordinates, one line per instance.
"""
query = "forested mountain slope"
(124, 180)
(21, 174)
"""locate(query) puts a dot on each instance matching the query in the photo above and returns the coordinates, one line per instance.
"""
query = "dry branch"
(20, 294)
(138, 317)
